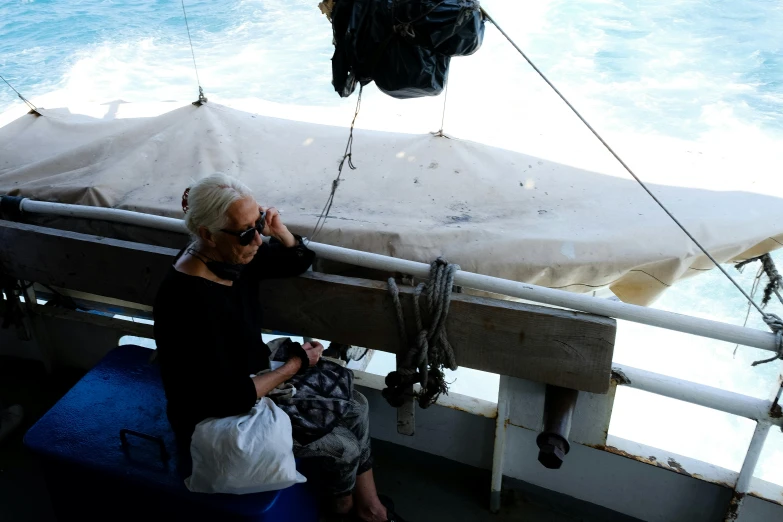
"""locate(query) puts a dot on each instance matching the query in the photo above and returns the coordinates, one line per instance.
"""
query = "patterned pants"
(343, 453)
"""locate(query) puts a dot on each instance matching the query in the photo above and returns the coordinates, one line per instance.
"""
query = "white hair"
(208, 202)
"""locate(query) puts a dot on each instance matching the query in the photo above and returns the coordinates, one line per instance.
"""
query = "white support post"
(499, 451)
(742, 487)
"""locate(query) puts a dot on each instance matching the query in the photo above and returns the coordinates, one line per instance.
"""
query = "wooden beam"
(94, 303)
(121, 325)
(92, 264)
(569, 349)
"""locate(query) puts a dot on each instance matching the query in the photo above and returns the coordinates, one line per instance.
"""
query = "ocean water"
(658, 79)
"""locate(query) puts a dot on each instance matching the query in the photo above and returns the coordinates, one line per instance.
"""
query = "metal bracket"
(11, 208)
(201, 98)
(776, 411)
(558, 413)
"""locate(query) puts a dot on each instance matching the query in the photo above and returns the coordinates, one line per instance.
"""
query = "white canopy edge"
(493, 211)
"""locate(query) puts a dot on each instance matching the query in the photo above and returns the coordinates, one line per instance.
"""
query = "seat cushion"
(81, 433)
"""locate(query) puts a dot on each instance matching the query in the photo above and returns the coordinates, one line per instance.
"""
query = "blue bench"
(93, 473)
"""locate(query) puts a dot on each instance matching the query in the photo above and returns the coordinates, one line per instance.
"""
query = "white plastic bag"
(244, 454)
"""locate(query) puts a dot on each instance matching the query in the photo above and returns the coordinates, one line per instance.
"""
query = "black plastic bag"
(404, 45)
(453, 28)
(410, 71)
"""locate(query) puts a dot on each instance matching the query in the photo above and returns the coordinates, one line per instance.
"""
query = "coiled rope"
(425, 358)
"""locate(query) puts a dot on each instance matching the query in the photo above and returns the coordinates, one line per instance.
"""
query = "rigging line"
(347, 155)
(443, 117)
(754, 288)
(28, 102)
(646, 189)
(192, 52)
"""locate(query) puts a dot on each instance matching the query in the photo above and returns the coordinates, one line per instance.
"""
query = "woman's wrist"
(291, 366)
(286, 238)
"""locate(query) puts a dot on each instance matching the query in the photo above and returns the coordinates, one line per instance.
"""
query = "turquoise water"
(658, 66)
(704, 73)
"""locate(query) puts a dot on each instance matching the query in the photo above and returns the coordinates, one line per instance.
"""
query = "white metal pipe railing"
(707, 396)
(619, 310)
(106, 214)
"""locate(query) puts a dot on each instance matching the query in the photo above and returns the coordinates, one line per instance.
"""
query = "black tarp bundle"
(403, 45)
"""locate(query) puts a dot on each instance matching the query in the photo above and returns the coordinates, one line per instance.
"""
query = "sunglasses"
(247, 236)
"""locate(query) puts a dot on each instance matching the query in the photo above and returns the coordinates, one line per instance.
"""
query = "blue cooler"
(108, 453)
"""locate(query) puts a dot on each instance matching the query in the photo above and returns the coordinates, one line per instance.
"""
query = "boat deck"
(425, 487)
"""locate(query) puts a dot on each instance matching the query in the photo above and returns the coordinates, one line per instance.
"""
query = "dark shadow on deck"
(426, 488)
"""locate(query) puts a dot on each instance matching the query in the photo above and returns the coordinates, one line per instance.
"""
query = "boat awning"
(492, 211)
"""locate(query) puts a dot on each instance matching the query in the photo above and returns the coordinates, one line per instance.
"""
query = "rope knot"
(430, 350)
(773, 321)
(775, 324)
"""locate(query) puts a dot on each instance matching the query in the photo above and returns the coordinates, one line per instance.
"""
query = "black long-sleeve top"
(209, 338)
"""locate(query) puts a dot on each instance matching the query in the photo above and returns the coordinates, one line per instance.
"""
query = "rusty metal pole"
(558, 412)
(746, 473)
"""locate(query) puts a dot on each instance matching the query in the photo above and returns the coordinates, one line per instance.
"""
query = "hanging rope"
(627, 168)
(775, 279)
(347, 156)
(401, 28)
(201, 98)
(425, 359)
(33, 108)
(753, 289)
(440, 133)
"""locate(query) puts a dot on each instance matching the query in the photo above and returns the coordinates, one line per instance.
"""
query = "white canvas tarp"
(417, 197)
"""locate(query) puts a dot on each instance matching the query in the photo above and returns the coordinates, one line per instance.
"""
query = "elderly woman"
(208, 333)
